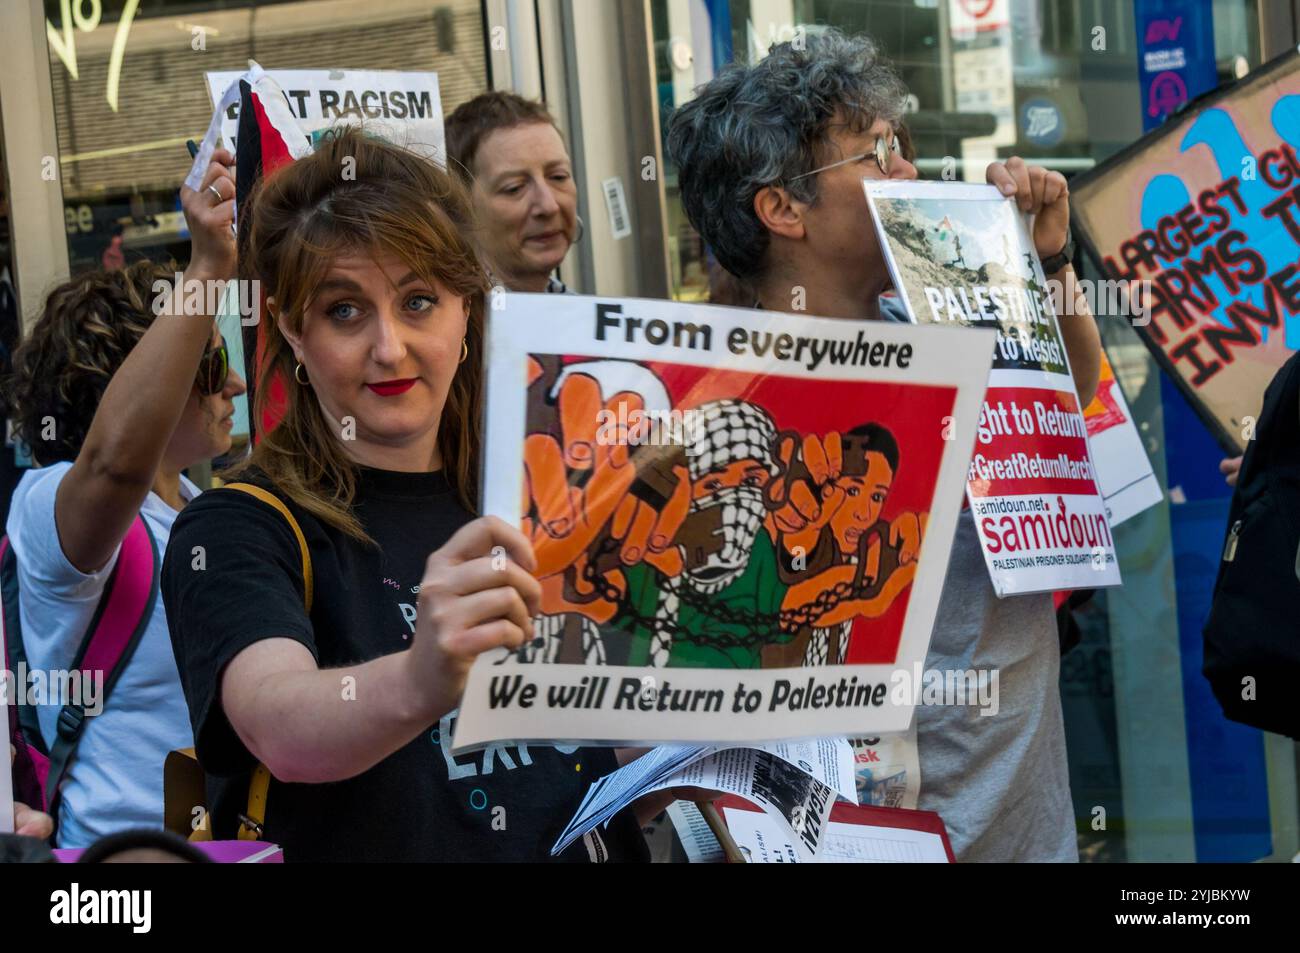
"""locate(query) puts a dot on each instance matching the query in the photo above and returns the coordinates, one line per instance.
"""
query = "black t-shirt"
(505, 803)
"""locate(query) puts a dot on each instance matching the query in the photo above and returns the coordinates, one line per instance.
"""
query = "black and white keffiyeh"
(722, 432)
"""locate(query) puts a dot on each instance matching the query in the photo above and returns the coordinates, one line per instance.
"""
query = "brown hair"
(86, 329)
(474, 120)
(357, 193)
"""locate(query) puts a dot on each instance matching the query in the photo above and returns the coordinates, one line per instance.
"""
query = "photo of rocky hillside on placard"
(971, 263)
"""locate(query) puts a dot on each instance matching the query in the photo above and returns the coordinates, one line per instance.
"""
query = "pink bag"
(219, 851)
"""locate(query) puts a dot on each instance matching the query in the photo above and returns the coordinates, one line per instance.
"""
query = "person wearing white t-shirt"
(119, 387)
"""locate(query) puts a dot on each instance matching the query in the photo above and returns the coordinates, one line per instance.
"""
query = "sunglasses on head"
(214, 369)
(884, 151)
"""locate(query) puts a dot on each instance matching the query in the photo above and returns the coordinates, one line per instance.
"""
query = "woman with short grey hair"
(771, 159)
(753, 126)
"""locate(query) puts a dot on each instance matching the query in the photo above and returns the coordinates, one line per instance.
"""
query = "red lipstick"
(393, 388)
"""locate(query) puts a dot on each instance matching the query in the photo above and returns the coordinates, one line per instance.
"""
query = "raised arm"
(299, 721)
(1082, 339)
(142, 404)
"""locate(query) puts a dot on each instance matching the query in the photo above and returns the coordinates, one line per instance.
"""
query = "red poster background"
(915, 415)
(1042, 444)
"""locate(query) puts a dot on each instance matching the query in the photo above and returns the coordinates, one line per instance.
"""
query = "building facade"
(98, 97)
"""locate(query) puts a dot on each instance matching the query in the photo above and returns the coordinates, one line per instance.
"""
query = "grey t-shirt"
(1000, 782)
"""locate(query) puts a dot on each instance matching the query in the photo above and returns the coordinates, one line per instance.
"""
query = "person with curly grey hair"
(748, 148)
(771, 158)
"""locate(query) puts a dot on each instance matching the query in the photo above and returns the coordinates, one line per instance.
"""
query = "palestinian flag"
(268, 137)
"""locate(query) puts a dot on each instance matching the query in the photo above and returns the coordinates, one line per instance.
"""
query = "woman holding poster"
(772, 159)
(324, 620)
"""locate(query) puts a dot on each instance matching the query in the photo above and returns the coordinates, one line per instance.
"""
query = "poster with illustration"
(961, 256)
(1202, 214)
(741, 518)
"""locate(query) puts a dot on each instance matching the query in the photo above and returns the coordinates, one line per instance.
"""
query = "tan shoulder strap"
(270, 499)
(250, 822)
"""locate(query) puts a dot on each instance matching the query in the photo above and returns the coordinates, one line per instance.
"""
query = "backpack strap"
(251, 821)
(30, 766)
(24, 717)
(270, 499)
(111, 639)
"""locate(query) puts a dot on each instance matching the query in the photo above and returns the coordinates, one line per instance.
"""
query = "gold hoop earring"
(300, 379)
(464, 350)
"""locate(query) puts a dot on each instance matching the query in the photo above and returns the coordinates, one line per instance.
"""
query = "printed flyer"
(961, 256)
(887, 769)
(1124, 474)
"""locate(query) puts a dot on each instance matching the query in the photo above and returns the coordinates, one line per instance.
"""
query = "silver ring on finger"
(217, 192)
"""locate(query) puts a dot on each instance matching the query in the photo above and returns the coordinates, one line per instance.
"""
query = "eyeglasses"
(214, 369)
(884, 152)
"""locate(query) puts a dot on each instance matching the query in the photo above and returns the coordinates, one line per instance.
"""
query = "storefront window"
(128, 92)
(1052, 81)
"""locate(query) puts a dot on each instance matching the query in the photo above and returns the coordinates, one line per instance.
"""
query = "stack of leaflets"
(796, 783)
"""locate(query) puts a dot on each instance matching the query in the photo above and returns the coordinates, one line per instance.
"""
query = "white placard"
(402, 107)
(630, 646)
(961, 256)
